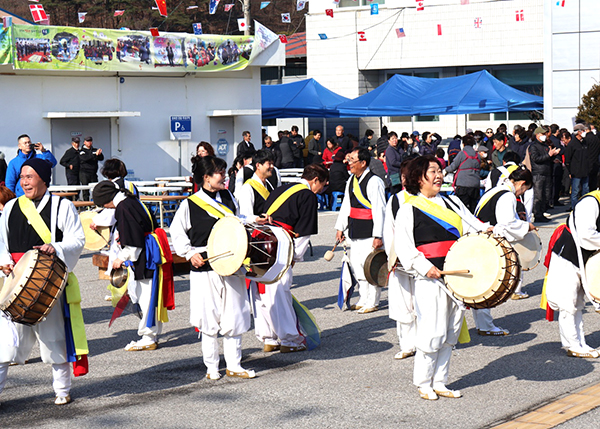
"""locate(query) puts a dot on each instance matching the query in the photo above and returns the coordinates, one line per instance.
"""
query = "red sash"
(438, 249)
(358, 213)
(16, 256)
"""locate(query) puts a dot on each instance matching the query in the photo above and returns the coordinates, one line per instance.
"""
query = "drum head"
(376, 265)
(13, 284)
(592, 274)
(94, 240)
(529, 250)
(228, 235)
(392, 258)
(283, 258)
(484, 258)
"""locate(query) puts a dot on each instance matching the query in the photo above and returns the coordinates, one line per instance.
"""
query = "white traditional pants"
(565, 293)
(438, 325)
(261, 306)
(401, 288)
(483, 319)
(140, 292)
(359, 250)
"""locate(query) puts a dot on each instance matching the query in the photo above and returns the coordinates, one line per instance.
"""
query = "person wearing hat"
(542, 161)
(578, 163)
(88, 164)
(218, 305)
(136, 248)
(37, 220)
(70, 160)
(485, 164)
(26, 151)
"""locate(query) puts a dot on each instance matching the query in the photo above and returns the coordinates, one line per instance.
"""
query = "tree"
(589, 109)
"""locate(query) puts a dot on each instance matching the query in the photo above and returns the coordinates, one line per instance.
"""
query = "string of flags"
(228, 7)
(264, 4)
(197, 27)
(81, 16)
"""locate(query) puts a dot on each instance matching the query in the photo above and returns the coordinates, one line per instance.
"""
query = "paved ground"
(350, 380)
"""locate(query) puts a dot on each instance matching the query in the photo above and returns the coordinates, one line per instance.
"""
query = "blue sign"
(181, 127)
(222, 147)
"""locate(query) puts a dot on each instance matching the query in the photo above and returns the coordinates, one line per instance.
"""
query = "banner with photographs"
(72, 48)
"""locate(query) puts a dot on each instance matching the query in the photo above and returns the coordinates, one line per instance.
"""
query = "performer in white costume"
(218, 305)
(17, 236)
(426, 227)
(361, 222)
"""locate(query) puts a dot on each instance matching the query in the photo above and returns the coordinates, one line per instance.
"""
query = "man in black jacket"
(70, 160)
(593, 144)
(274, 149)
(342, 140)
(541, 155)
(297, 147)
(578, 162)
(88, 164)
(245, 145)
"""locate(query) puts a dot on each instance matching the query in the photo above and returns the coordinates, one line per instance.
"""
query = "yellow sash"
(259, 187)
(72, 292)
(358, 194)
(283, 197)
(487, 197)
(429, 207)
(210, 209)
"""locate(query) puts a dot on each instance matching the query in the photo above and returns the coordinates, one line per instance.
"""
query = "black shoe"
(541, 219)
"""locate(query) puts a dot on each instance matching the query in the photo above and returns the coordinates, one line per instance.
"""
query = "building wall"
(141, 142)
(572, 65)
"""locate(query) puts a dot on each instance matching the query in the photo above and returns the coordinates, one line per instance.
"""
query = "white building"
(128, 113)
(445, 39)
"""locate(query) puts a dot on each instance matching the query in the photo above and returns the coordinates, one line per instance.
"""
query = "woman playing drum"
(498, 206)
(218, 305)
(426, 227)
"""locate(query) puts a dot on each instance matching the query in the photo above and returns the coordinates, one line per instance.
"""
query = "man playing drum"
(218, 305)
(401, 285)
(361, 215)
(294, 208)
(23, 220)
(565, 284)
(140, 244)
(426, 227)
(498, 206)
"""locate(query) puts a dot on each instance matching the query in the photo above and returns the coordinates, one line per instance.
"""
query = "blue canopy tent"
(303, 99)
(478, 92)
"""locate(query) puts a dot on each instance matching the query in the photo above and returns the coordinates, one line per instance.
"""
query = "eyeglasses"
(489, 132)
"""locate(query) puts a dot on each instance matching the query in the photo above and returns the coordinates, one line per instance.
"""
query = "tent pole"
(507, 123)
(412, 123)
(325, 130)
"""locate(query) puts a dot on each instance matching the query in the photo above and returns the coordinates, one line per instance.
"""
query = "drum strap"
(284, 197)
(259, 187)
(359, 195)
(211, 209)
(35, 219)
(447, 218)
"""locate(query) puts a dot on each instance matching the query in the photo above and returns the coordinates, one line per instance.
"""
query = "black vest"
(22, 237)
(360, 228)
(488, 211)
(427, 231)
(565, 244)
(202, 225)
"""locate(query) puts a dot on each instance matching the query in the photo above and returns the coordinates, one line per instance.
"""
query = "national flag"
(242, 24)
(520, 16)
(420, 5)
(323, 36)
(119, 12)
(336, 2)
(374, 9)
(400, 32)
(329, 12)
(464, 2)
(300, 4)
(212, 6)
(228, 7)
(37, 12)
(439, 29)
(478, 22)
(283, 38)
(197, 27)
(6, 21)
(285, 17)
(361, 36)
(162, 7)
(560, 3)
(81, 16)
(264, 4)
(347, 284)
(154, 32)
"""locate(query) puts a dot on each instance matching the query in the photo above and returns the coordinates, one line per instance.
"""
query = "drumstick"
(329, 254)
(454, 272)
(217, 256)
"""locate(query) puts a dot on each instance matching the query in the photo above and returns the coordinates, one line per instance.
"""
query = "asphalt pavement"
(351, 380)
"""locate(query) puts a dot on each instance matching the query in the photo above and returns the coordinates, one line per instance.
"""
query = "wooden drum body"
(33, 288)
(265, 251)
(494, 270)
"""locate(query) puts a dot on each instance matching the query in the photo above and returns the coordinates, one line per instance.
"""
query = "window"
(357, 3)
(479, 117)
